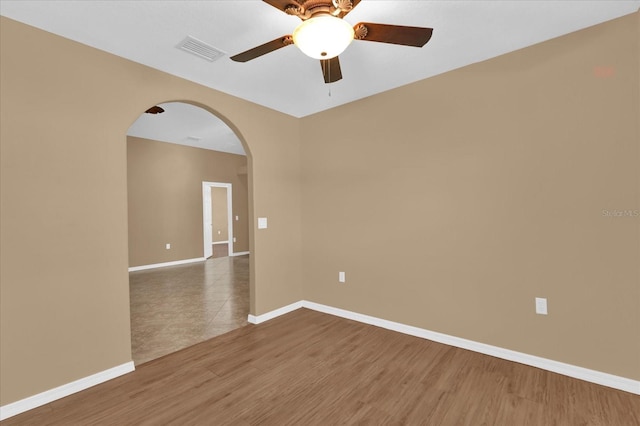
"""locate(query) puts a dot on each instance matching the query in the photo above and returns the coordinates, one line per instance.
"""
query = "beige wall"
(165, 199)
(453, 202)
(65, 109)
(220, 216)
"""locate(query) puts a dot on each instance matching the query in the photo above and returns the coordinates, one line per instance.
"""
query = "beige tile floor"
(178, 306)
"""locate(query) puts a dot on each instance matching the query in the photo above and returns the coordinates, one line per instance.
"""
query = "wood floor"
(309, 368)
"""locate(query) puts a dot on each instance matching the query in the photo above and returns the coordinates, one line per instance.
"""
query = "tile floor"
(220, 250)
(178, 306)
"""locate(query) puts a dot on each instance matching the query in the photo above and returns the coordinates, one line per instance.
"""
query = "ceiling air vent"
(200, 48)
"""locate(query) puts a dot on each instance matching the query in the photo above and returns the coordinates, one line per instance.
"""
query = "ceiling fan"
(323, 34)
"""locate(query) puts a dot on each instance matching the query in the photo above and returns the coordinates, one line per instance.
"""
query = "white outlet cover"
(262, 223)
(541, 306)
(167, 246)
(341, 277)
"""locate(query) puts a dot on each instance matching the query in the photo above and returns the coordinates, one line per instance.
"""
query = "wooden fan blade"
(155, 110)
(263, 49)
(331, 70)
(394, 34)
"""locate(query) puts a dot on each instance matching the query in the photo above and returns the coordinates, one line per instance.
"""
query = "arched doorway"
(178, 297)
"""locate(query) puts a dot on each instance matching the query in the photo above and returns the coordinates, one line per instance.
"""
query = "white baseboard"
(162, 265)
(270, 315)
(46, 397)
(239, 253)
(588, 375)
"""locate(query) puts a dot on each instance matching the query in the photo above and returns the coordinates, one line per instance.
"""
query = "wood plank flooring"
(309, 368)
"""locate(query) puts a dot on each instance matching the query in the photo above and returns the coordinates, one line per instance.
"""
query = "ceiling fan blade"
(394, 34)
(331, 70)
(155, 110)
(263, 49)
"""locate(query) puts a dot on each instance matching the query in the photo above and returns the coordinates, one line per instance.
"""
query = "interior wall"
(490, 184)
(165, 199)
(220, 216)
(65, 110)
(454, 202)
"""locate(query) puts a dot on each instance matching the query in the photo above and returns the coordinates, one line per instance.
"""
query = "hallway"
(178, 306)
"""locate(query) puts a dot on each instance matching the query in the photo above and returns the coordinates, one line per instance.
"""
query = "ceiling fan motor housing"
(308, 9)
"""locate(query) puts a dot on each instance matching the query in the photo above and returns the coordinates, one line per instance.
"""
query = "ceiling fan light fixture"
(323, 36)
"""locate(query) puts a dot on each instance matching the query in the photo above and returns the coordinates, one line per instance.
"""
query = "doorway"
(217, 218)
(179, 297)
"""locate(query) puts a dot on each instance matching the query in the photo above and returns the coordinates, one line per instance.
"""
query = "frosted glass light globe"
(323, 36)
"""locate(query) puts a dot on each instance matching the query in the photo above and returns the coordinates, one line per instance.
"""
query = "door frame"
(207, 216)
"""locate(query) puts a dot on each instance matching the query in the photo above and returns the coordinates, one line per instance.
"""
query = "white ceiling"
(286, 80)
(189, 125)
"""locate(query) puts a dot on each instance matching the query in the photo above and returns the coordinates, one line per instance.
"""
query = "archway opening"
(180, 295)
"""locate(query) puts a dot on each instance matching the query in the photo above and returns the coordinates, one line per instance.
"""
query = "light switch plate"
(341, 277)
(541, 306)
(262, 223)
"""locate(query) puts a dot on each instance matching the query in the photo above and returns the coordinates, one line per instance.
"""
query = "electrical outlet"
(341, 277)
(541, 306)
(167, 246)
(234, 239)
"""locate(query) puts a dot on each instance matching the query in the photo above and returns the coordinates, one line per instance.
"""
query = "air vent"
(193, 138)
(200, 48)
